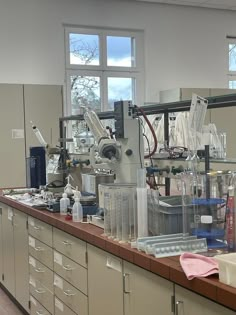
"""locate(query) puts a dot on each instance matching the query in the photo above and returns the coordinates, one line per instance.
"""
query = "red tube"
(152, 131)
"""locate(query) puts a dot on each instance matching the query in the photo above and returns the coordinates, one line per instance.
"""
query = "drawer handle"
(125, 275)
(68, 268)
(177, 306)
(37, 227)
(68, 293)
(39, 270)
(40, 313)
(38, 249)
(66, 243)
(40, 291)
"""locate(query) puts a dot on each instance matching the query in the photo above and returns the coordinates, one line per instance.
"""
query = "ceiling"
(216, 4)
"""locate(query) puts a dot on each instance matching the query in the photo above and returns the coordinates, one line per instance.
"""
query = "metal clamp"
(67, 293)
(125, 275)
(40, 291)
(67, 267)
(177, 306)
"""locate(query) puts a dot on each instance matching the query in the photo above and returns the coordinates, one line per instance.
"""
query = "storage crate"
(166, 217)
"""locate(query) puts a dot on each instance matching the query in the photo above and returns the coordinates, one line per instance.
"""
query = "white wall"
(184, 46)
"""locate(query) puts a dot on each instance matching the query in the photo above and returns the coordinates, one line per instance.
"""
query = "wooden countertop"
(168, 268)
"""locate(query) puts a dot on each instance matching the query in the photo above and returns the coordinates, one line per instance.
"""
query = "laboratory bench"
(53, 266)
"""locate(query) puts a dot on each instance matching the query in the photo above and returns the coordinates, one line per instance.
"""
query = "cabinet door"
(21, 258)
(43, 106)
(1, 255)
(105, 287)
(145, 292)
(8, 249)
(12, 136)
(193, 304)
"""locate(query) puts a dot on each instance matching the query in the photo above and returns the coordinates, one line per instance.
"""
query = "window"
(102, 67)
(232, 63)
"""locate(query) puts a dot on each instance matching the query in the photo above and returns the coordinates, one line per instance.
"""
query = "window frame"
(136, 71)
(231, 74)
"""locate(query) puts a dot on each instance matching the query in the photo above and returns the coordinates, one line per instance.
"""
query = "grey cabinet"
(189, 303)
(145, 292)
(105, 283)
(19, 105)
(12, 158)
(15, 271)
(21, 258)
(1, 253)
(8, 278)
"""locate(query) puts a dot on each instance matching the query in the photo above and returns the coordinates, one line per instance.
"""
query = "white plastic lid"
(64, 195)
(77, 194)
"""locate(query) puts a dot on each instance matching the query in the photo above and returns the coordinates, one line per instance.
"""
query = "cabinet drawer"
(61, 308)
(42, 294)
(41, 273)
(41, 252)
(40, 230)
(36, 308)
(69, 295)
(70, 246)
(71, 271)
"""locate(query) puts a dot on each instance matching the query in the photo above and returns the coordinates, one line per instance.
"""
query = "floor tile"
(7, 307)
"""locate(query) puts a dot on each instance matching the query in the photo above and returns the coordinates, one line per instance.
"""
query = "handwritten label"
(58, 258)
(32, 261)
(58, 282)
(31, 221)
(59, 305)
(10, 213)
(31, 241)
(32, 299)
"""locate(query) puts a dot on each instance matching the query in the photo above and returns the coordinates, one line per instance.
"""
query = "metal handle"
(37, 227)
(177, 307)
(40, 313)
(67, 293)
(38, 249)
(39, 270)
(125, 275)
(66, 243)
(40, 291)
(67, 268)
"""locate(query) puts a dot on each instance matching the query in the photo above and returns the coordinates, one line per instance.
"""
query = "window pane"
(85, 91)
(232, 84)
(84, 49)
(232, 57)
(119, 89)
(120, 51)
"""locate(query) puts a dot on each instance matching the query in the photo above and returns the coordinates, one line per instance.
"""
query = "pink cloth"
(198, 266)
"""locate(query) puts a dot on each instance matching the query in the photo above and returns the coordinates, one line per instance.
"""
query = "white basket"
(227, 268)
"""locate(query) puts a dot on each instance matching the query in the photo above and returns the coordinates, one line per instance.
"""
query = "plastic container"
(64, 204)
(77, 211)
(204, 206)
(227, 268)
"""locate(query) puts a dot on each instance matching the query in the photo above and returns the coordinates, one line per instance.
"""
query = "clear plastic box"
(227, 268)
